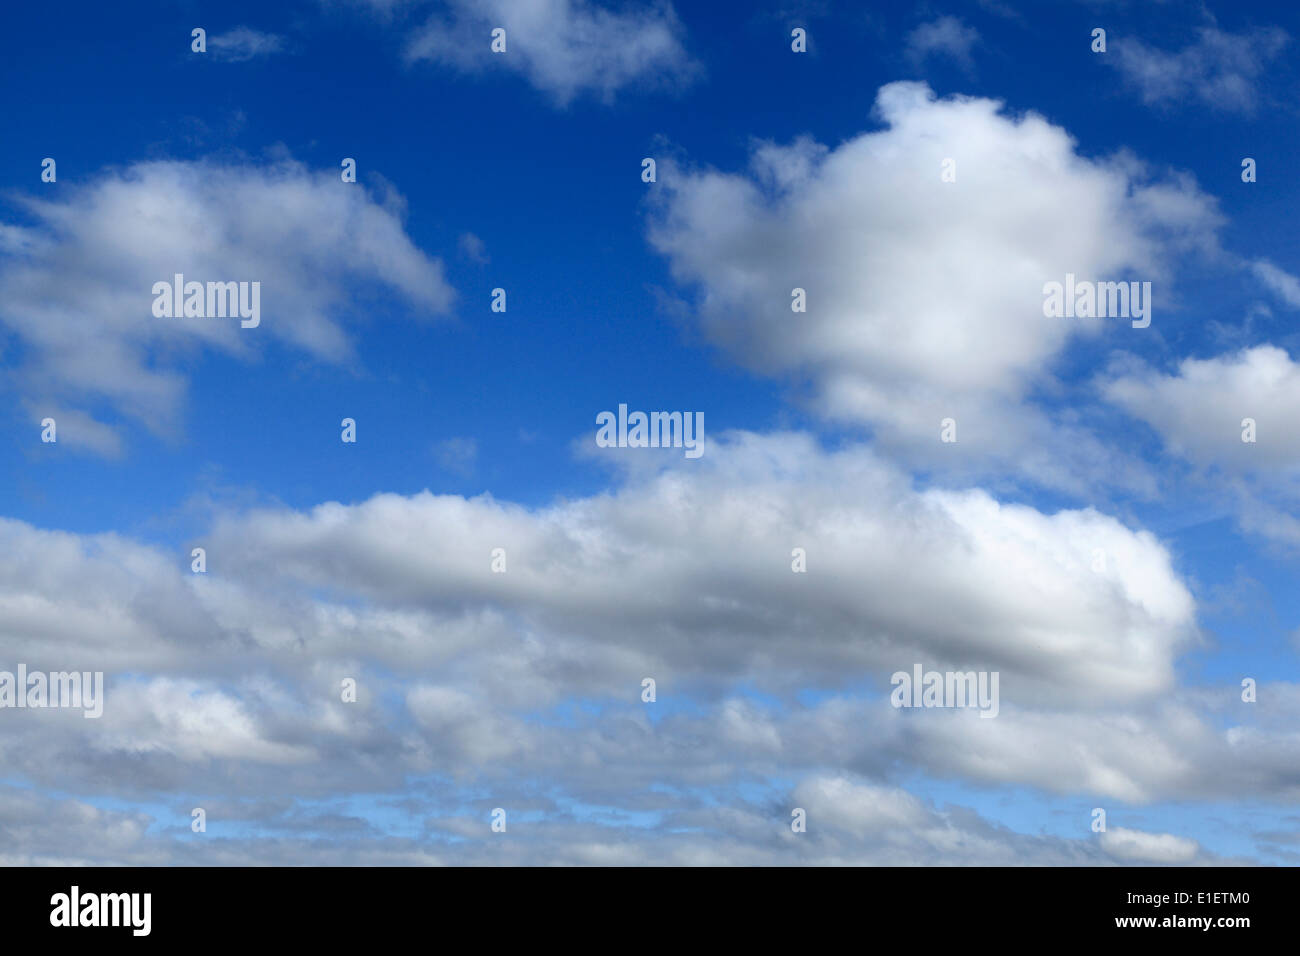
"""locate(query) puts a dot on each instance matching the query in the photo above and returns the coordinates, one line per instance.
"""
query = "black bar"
(647, 906)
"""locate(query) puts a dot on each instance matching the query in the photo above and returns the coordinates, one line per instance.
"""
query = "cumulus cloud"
(76, 280)
(924, 299)
(477, 689)
(224, 688)
(683, 575)
(615, 566)
(1220, 69)
(1234, 419)
(1199, 410)
(565, 48)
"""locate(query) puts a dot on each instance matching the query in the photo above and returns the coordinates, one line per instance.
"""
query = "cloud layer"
(224, 688)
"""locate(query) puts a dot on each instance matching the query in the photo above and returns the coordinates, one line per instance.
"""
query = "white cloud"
(565, 48)
(228, 683)
(473, 248)
(457, 455)
(1135, 846)
(464, 727)
(1284, 285)
(859, 808)
(76, 285)
(192, 722)
(243, 43)
(946, 36)
(599, 593)
(843, 829)
(1221, 69)
(1199, 411)
(924, 298)
(900, 576)
(76, 430)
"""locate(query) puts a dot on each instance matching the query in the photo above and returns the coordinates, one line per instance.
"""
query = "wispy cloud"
(946, 36)
(565, 48)
(244, 43)
(1220, 69)
(457, 455)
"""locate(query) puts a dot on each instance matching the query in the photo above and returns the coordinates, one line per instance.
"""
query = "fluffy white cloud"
(193, 723)
(76, 283)
(683, 575)
(228, 684)
(691, 568)
(1199, 411)
(924, 297)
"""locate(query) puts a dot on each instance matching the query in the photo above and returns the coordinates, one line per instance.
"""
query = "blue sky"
(1121, 687)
